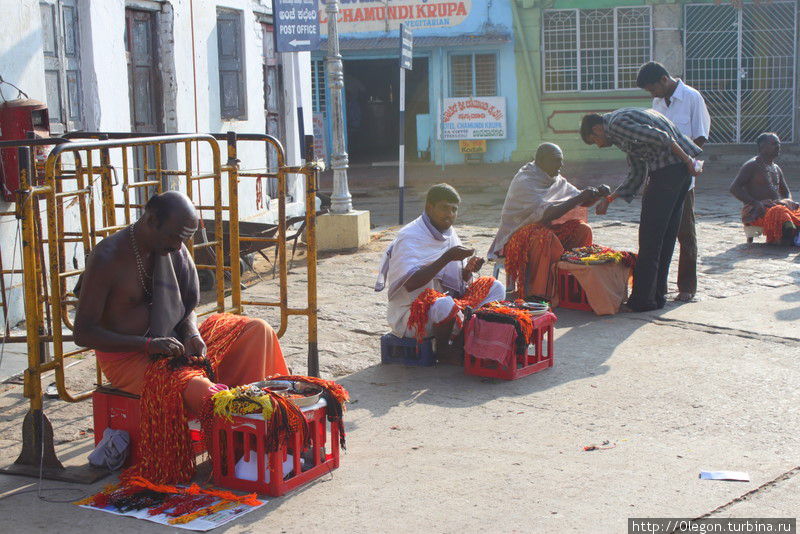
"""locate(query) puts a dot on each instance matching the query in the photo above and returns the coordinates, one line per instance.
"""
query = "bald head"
(171, 219)
(549, 158)
(171, 204)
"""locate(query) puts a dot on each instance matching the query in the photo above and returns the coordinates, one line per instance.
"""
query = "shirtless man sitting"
(768, 203)
(137, 301)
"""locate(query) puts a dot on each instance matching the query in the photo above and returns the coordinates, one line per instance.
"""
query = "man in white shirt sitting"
(685, 107)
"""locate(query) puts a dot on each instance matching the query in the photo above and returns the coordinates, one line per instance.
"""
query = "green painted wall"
(555, 117)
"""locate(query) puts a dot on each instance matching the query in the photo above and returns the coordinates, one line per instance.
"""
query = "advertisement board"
(357, 16)
(478, 117)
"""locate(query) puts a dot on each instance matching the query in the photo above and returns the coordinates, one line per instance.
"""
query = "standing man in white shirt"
(685, 107)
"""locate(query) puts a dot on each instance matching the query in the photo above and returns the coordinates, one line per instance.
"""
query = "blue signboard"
(296, 25)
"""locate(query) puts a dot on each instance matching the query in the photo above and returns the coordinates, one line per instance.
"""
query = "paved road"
(710, 384)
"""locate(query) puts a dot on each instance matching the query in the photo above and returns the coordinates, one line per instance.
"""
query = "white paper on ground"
(736, 476)
(201, 524)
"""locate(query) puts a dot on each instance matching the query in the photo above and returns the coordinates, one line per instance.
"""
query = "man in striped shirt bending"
(655, 148)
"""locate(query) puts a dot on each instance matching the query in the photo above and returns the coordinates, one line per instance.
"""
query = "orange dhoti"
(533, 252)
(773, 220)
(252, 356)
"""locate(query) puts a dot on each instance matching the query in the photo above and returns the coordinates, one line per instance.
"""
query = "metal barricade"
(93, 188)
(310, 172)
(107, 203)
(232, 169)
(34, 174)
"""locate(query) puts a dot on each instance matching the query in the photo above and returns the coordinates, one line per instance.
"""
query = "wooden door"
(144, 78)
(60, 44)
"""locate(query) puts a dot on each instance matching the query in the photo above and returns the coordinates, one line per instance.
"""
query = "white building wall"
(21, 63)
(105, 85)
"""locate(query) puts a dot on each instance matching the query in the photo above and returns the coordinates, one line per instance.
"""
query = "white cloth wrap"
(529, 195)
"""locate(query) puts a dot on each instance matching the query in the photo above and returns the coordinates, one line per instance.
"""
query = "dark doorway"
(371, 96)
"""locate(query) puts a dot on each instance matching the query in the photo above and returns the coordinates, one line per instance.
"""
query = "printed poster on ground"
(477, 117)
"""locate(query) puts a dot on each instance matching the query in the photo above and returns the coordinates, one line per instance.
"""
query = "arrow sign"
(296, 25)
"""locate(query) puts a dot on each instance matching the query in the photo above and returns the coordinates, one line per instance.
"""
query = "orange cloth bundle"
(475, 294)
(773, 220)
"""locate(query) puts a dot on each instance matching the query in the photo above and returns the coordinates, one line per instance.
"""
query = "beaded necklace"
(141, 272)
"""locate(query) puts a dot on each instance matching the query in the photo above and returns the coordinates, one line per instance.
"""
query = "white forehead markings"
(188, 231)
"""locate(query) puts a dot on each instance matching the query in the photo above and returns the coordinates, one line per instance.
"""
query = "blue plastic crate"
(405, 350)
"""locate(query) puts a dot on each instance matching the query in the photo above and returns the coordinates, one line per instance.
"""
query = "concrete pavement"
(707, 385)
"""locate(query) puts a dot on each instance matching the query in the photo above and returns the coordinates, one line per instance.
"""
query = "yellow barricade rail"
(311, 174)
(108, 197)
(25, 149)
(93, 176)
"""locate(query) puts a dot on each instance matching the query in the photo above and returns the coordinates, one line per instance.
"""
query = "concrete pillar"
(668, 37)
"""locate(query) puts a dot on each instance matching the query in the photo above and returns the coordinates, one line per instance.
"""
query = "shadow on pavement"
(583, 345)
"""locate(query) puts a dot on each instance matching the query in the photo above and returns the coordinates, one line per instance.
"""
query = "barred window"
(473, 75)
(318, 85)
(594, 49)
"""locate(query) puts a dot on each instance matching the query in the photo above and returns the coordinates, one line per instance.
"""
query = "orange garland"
(518, 248)
(532, 236)
(524, 318)
(164, 447)
(251, 499)
(773, 220)
(475, 294)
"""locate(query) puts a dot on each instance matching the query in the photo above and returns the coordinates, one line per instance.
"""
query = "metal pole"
(341, 201)
(301, 125)
(402, 155)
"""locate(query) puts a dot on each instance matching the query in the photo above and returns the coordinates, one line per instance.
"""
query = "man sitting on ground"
(137, 301)
(768, 203)
(528, 238)
(427, 255)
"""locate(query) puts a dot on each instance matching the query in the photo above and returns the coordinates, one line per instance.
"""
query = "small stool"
(751, 232)
(120, 410)
(570, 293)
(535, 358)
(407, 351)
(248, 434)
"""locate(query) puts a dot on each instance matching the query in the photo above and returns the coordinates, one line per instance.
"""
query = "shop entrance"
(371, 96)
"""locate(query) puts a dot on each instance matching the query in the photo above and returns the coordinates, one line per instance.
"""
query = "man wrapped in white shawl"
(427, 253)
(539, 195)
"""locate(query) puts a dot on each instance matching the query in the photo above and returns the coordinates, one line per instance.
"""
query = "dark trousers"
(662, 206)
(687, 238)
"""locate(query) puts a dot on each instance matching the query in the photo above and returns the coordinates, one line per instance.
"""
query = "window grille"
(318, 85)
(473, 75)
(594, 49)
(230, 50)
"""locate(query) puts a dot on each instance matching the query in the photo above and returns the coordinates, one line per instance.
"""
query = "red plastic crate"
(570, 293)
(247, 434)
(525, 364)
(120, 410)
